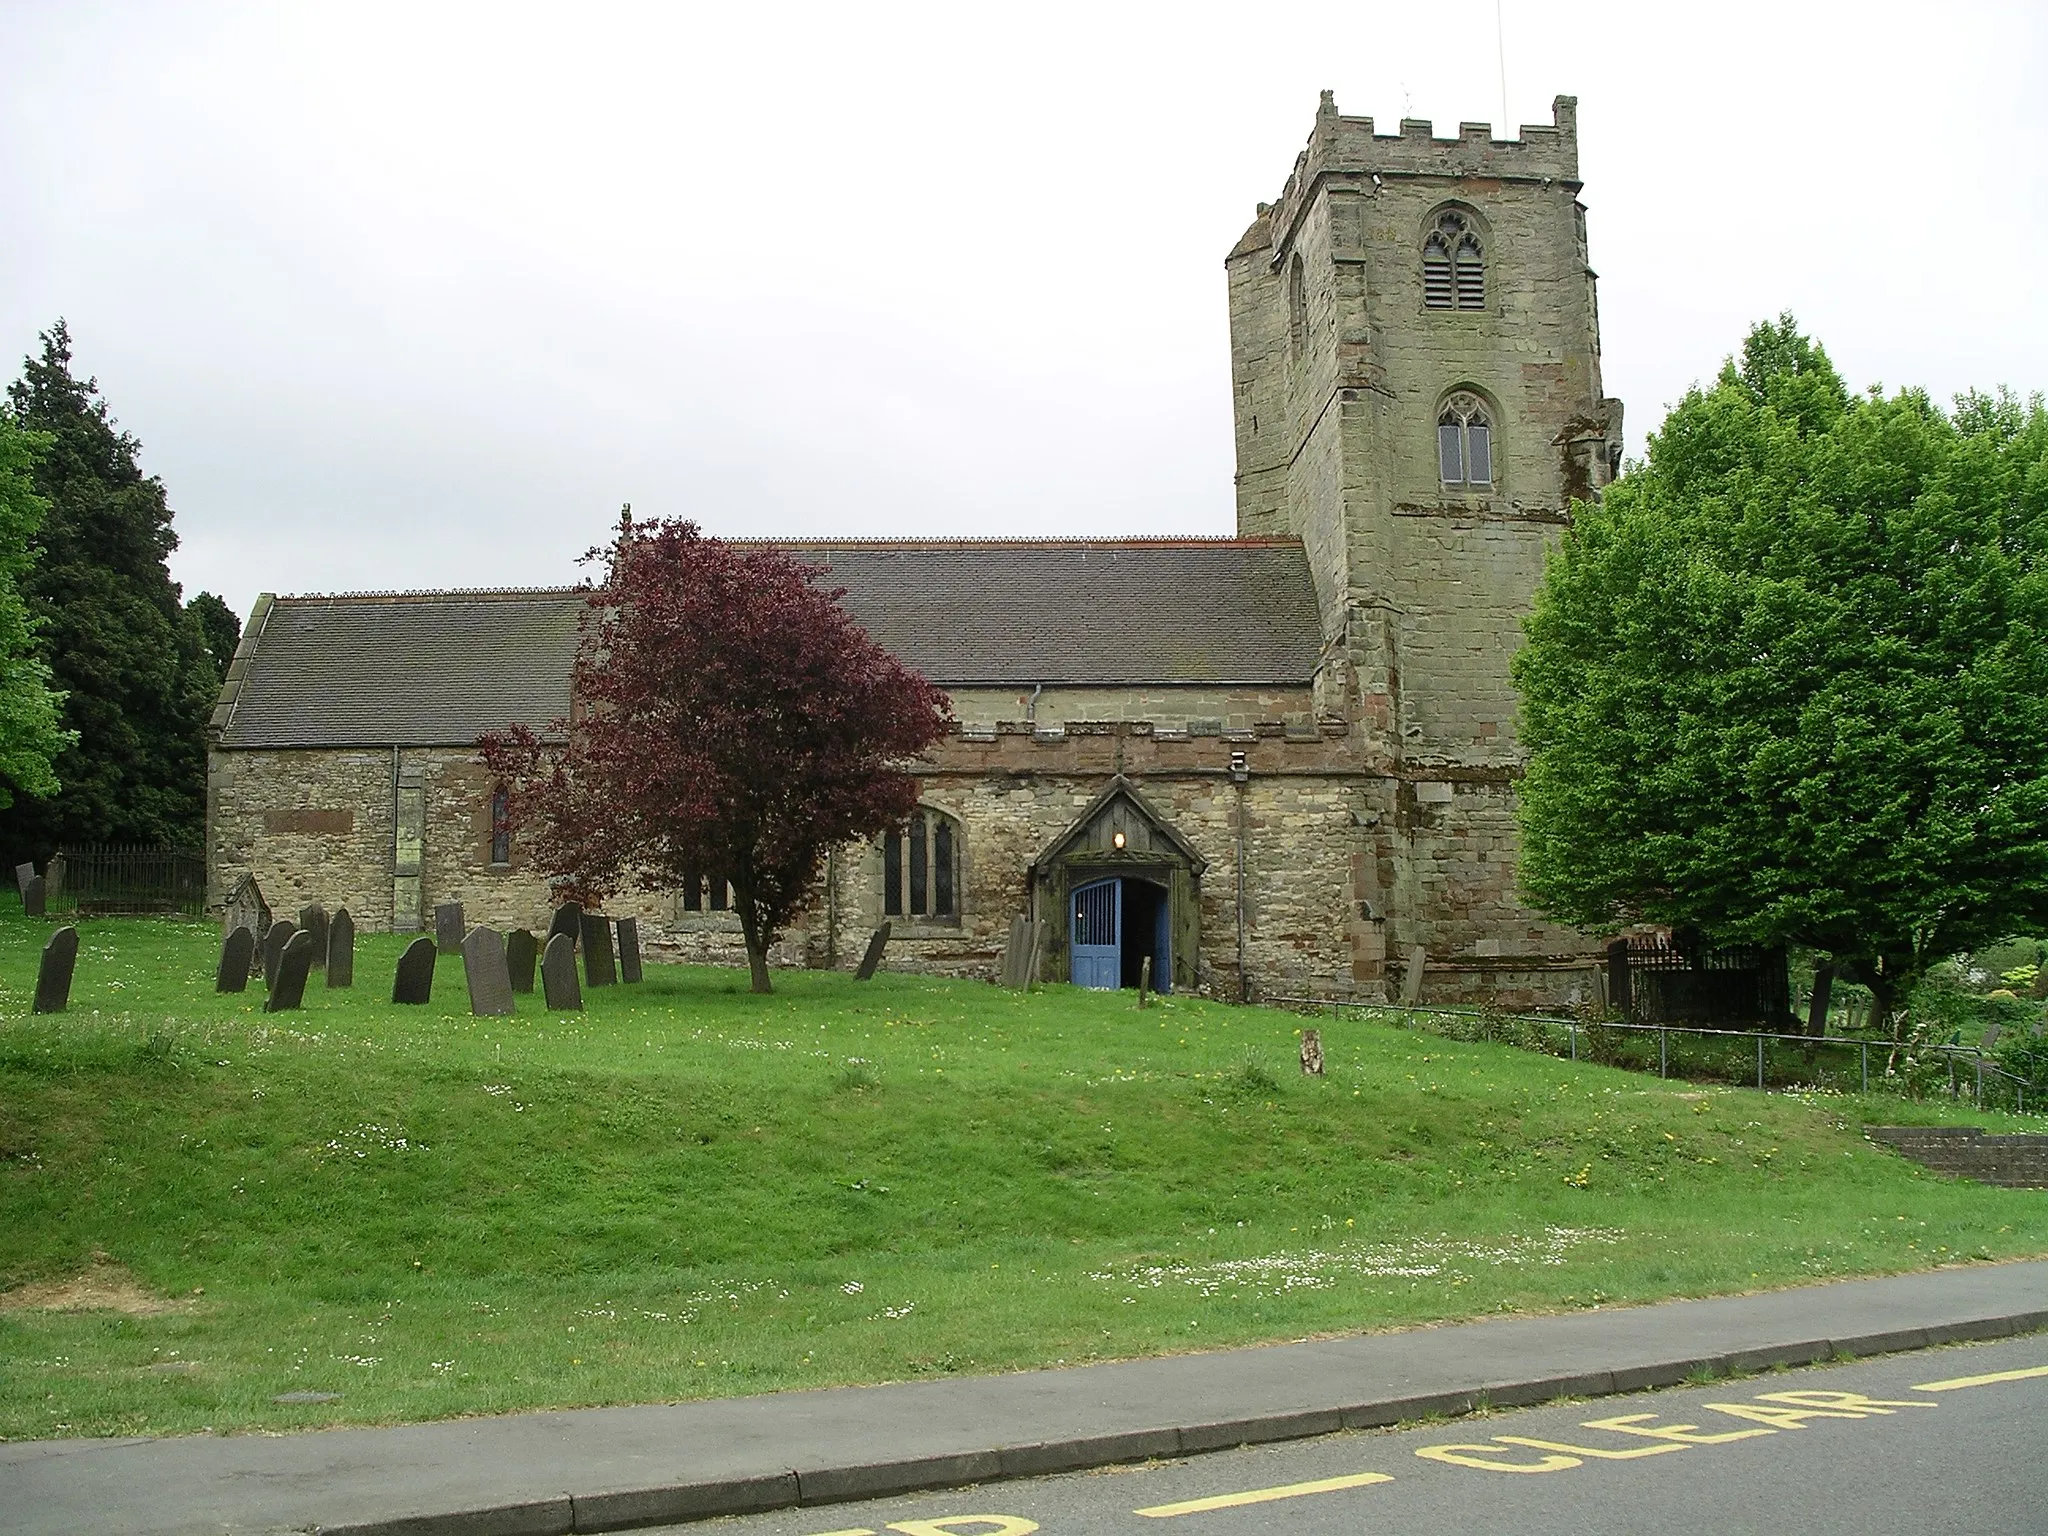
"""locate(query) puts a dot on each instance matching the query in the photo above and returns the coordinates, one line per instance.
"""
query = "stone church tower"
(1415, 358)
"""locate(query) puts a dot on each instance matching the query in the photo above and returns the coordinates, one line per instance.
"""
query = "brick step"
(2017, 1161)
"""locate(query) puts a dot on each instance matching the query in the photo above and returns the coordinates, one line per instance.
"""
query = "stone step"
(2018, 1161)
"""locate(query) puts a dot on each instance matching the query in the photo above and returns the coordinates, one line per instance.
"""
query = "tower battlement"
(1351, 147)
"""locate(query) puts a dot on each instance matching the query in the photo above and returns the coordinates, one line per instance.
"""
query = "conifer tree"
(132, 665)
(30, 737)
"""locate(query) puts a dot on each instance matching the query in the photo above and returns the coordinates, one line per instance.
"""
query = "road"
(1943, 1441)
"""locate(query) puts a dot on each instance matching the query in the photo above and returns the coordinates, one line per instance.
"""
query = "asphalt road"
(1919, 1443)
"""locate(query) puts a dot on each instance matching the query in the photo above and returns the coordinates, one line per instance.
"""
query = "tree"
(133, 668)
(30, 736)
(1788, 681)
(218, 627)
(729, 718)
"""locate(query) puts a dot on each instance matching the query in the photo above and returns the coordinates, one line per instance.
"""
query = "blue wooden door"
(1092, 941)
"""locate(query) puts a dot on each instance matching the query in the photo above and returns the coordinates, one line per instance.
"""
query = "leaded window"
(501, 826)
(1464, 442)
(697, 887)
(1453, 265)
(920, 868)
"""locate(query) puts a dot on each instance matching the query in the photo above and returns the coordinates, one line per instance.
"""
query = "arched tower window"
(921, 867)
(1453, 265)
(1297, 306)
(1464, 441)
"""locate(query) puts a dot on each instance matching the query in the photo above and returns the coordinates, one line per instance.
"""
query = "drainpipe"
(1031, 706)
(1240, 771)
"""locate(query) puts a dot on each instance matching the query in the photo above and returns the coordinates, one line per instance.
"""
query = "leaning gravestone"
(568, 919)
(520, 954)
(448, 928)
(598, 970)
(629, 949)
(1991, 1033)
(873, 957)
(32, 901)
(483, 967)
(289, 990)
(23, 873)
(415, 982)
(53, 981)
(313, 920)
(274, 941)
(558, 974)
(237, 954)
(341, 950)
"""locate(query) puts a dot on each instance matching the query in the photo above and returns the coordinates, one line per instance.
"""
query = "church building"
(1278, 765)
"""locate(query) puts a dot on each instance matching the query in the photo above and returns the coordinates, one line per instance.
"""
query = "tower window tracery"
(1464, 441)
(1453, 265)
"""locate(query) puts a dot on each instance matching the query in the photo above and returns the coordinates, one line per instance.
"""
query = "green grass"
(690, 1191)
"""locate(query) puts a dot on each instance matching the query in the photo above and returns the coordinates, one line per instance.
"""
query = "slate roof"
(440, 668)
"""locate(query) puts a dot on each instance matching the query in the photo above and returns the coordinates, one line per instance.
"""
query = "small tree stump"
(1311, 1053)
(1144, 979)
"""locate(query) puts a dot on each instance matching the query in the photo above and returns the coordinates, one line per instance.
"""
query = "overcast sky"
(417, 295)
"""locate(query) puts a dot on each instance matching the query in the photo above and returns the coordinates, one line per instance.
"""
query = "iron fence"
(104, 879)
(1755, 1058)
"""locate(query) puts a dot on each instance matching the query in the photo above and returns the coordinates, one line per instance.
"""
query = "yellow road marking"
(1487, 1459)
(1263, 1495)
(857, 1530)
(1588, 1450)
(1982, 1381)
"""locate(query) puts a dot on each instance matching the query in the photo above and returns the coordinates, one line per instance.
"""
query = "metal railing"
(130, 879)
(1598, 1041)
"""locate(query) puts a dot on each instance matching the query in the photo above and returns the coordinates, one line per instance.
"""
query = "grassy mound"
(690, 1191)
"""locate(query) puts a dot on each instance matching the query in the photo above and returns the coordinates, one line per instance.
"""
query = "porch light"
(1118, 839)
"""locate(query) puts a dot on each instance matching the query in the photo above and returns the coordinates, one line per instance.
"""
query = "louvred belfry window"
(919, 868)
(1464, 442)
(1453, 266)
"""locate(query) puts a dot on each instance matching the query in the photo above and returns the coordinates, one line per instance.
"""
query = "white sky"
(415, 295)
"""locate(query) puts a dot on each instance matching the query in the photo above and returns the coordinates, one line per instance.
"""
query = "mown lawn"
(690, 1191)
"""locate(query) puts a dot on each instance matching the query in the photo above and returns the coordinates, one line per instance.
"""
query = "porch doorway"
(1114, 927)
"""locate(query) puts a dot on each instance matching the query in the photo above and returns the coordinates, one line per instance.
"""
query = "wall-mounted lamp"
(1118, 840)
(1240, 768)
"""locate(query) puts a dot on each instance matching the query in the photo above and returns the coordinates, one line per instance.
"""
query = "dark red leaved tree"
(729, 718)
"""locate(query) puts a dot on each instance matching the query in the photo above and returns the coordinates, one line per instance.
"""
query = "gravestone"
(448, 929)
(341, 950)
(520, 954)
(415, 982)
(53, 880)
(1311, 1053)
(629, 949)
(274, 941)
(558, 974)
(873, 957)
(1013, 952)
(483, 967)
(53, 980)
(237, 955)
(598, 970)
(1144, 979)
(313, 920)
(32, 901)
(1991, 1034)
(23, 873)
(1411, 976)
(568, 919)
(246, 908)
(293, 965)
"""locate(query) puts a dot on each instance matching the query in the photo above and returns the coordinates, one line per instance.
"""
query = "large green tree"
(30, 736)
(1788, 681)
(133, 665)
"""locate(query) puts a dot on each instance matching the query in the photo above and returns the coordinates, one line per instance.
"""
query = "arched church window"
(921, 867)
(1464, 442)
(501, 825)
(1297, 305)
(1453, 265)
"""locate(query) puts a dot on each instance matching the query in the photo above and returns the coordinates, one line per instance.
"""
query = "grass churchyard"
(354, 1212)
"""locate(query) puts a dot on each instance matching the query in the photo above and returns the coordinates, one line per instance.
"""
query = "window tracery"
(1453, 264)
(1464, 442)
